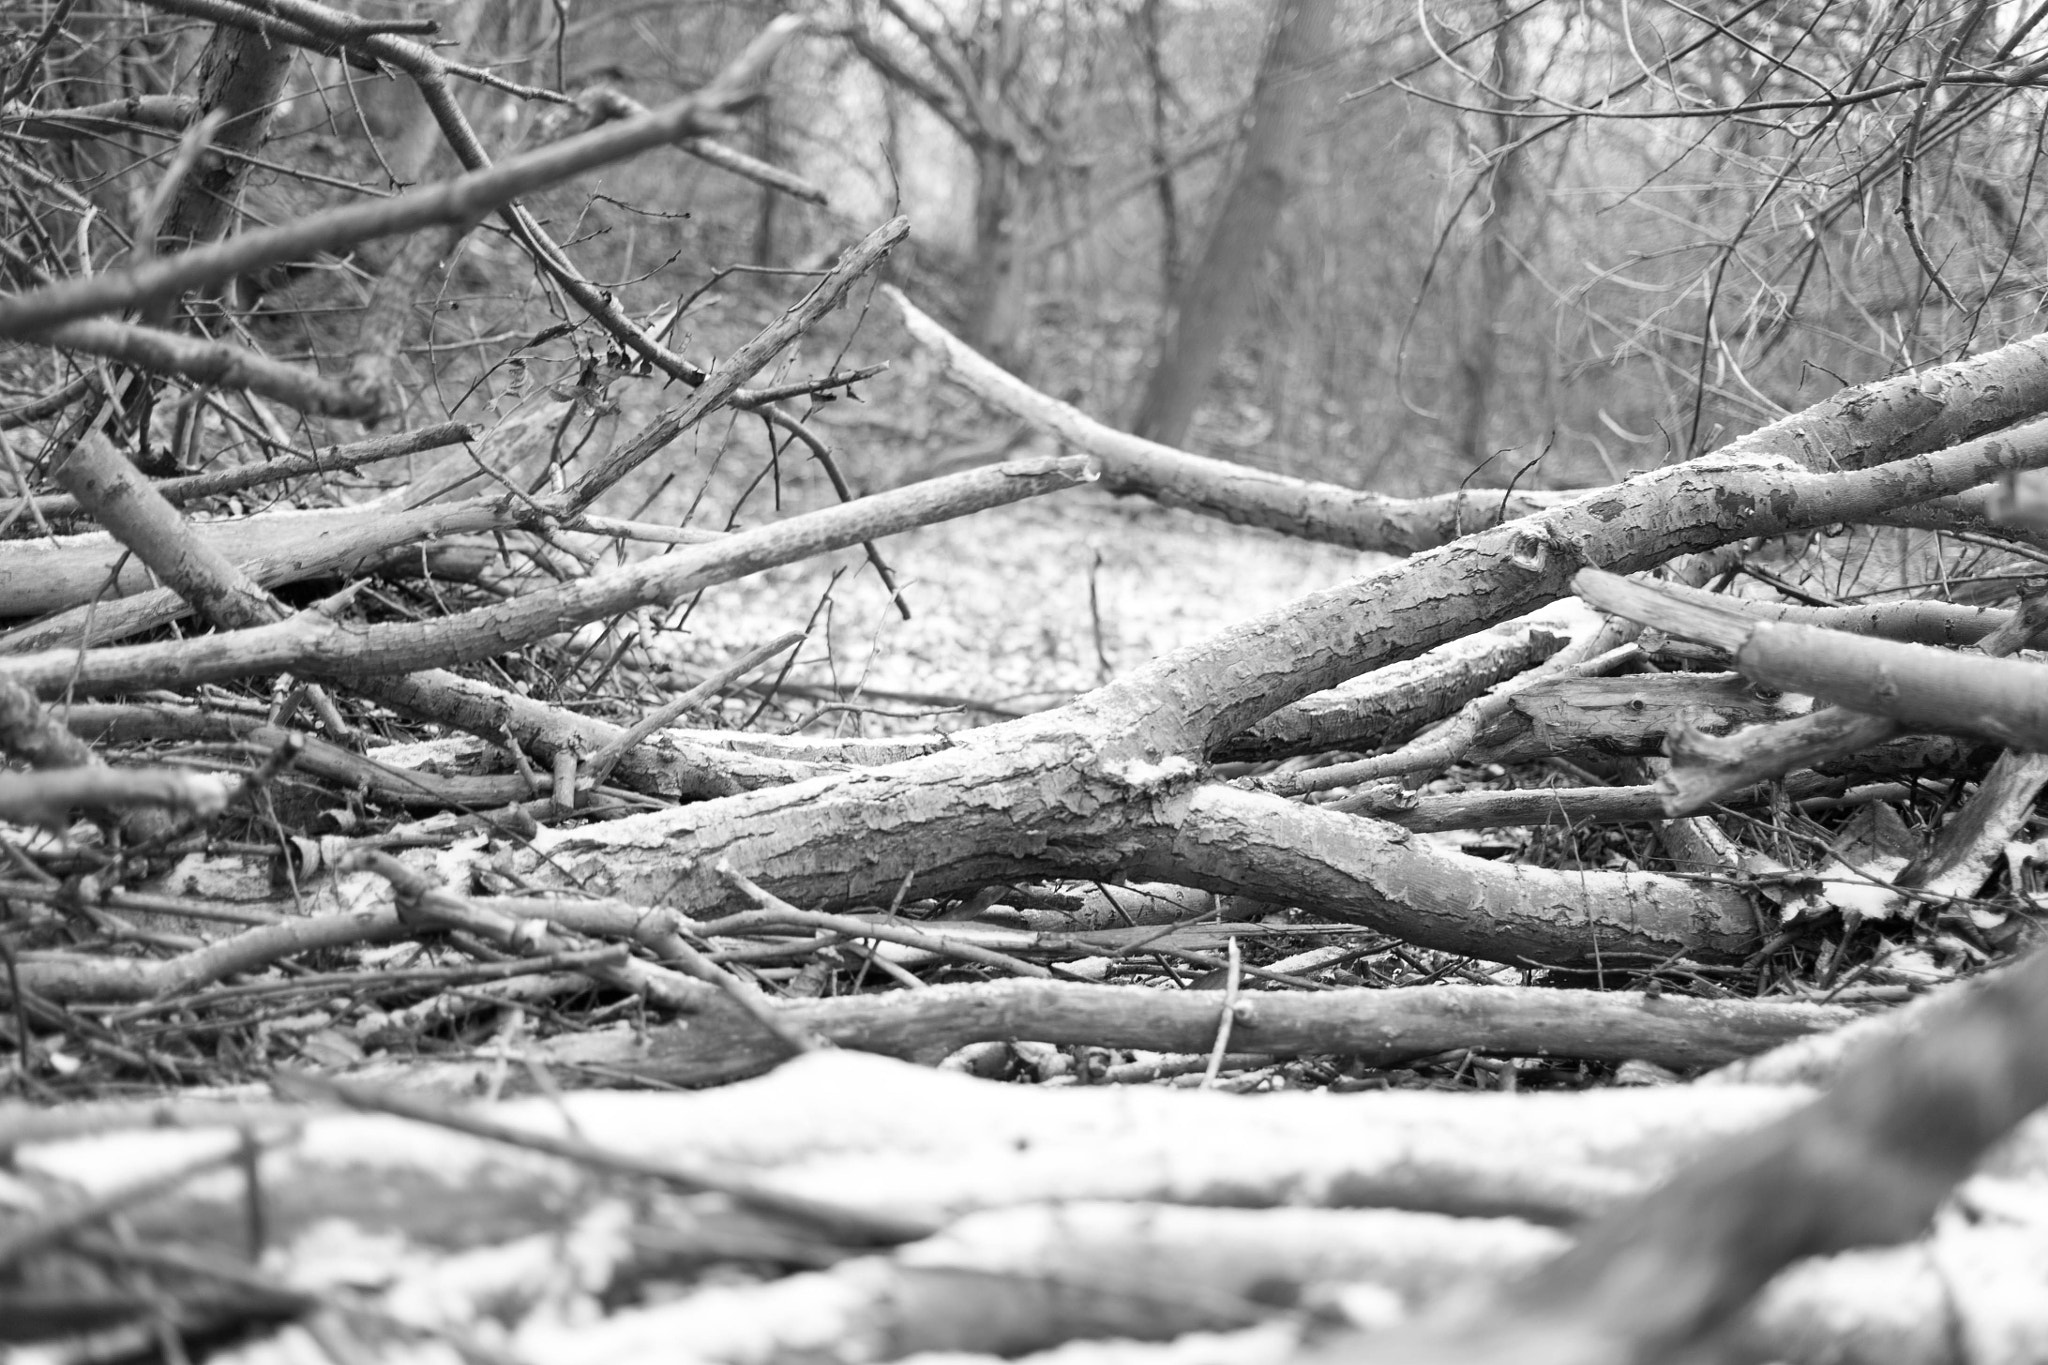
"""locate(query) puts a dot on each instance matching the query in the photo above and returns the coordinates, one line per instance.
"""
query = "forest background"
(1547, 241)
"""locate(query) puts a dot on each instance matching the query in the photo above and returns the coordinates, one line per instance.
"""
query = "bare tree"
(996, 81)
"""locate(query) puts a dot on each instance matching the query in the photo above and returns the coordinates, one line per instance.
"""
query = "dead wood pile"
(1679, 817)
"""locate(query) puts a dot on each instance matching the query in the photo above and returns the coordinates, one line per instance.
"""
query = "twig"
(750, 999)
(1232, 981)
(599, 765)
(32, 60)
(723, 383)
(604, 104)
(420, 902)
(945, 945)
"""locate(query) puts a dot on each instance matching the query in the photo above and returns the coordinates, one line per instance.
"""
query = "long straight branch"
(314, 642)
(218, 364)
(332, 460)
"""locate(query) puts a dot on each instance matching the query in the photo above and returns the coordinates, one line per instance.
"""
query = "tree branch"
(461, 201)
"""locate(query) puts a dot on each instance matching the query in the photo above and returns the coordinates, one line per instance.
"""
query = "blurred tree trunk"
(1006, 110)
(1003, 184)
(768, 148)
(1476, 373)
(1152, 44)
(1213, 295)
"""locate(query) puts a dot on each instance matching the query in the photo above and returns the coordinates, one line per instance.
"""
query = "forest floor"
(1016, 609)
(1025, 606)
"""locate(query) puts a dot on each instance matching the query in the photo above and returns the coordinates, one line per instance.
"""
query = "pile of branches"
(388, 873)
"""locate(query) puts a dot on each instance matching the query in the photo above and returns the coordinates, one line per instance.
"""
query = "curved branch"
(1377, 874)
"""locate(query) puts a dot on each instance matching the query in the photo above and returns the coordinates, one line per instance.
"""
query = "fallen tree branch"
(110, 487)
(235, 478)
(1098, 1284)
(1971, 841)
(935, 1145)
(461, 200)
(1479, 721)
(311, 642)
(216, 364)
(47, 797)
(917, 1145)
(1707, 768)
(1031, 1279)
(1867, 1164)
(1220, 488)
(1390, 704)
(1857, 428)
(1627, 716)
(78, 978)
(269, 548)
(1379, 1028)
(1918, 686)
(1373, 873)
(839, 1218)
(1078, 791)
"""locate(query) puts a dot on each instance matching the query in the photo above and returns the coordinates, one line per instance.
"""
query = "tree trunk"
(1152, 31)
(768, 147)
(1214, 295)
(995, 318)
(241, 76)
(1477, 370)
